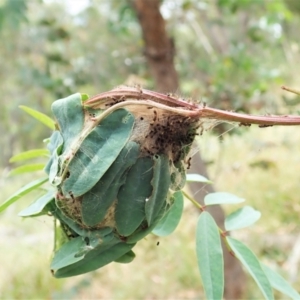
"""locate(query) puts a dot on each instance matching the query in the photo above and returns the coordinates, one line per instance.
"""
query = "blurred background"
(231, 54)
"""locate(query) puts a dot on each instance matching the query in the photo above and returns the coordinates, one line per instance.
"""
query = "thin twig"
(193, 201)
(140, 96)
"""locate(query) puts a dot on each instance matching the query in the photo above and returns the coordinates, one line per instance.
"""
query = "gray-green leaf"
(70, 117)
(130, 209)
(97, 152)
(161, 183)
(38, 205)
(197, 178)
(280, 284)
(252, 264)
(96, 202)
(210, 256)
(241, 218)
(222, 198)
(172, 218)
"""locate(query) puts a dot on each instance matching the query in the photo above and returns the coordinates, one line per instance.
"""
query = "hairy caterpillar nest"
(118, 162)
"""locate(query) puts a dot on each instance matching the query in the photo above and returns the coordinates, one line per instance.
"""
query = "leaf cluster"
(208, 236)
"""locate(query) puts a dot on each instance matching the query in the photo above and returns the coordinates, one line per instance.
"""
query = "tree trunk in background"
(159, 48)
(159, 51)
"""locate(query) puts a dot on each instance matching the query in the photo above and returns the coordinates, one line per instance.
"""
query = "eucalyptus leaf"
(210, 256)
(222, 198)
(38, 205)
(252, 264)
(241, 218)
(34, 153)
(22, 191)
(39, 116)
(197, 178)
(280, 284)
(27, 169)
(172, 218)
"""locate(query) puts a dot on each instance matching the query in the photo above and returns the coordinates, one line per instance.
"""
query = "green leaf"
(38, 205)
(54, 146)
(96, 202)
(77, 248)
(21, 192)
(97, 152)
(73, 225)
(280, 284)
(160, 183)
(69, 114)
(29, 155)
(222, 198)
(252, 264)
(39, 116)
(27, 169)
(197, 178)
(241, 218)
(66, 255)
(130, 209)
(172, 218)
(97, 258)
(126, 258)
(143, 230)
(84, 97)
(210, 256)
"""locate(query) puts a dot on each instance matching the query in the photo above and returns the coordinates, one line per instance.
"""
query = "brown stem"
(292, 90)
(245, 119)
(137, 94)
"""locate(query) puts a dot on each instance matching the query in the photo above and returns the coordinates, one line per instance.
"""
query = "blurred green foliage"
(229, 54)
